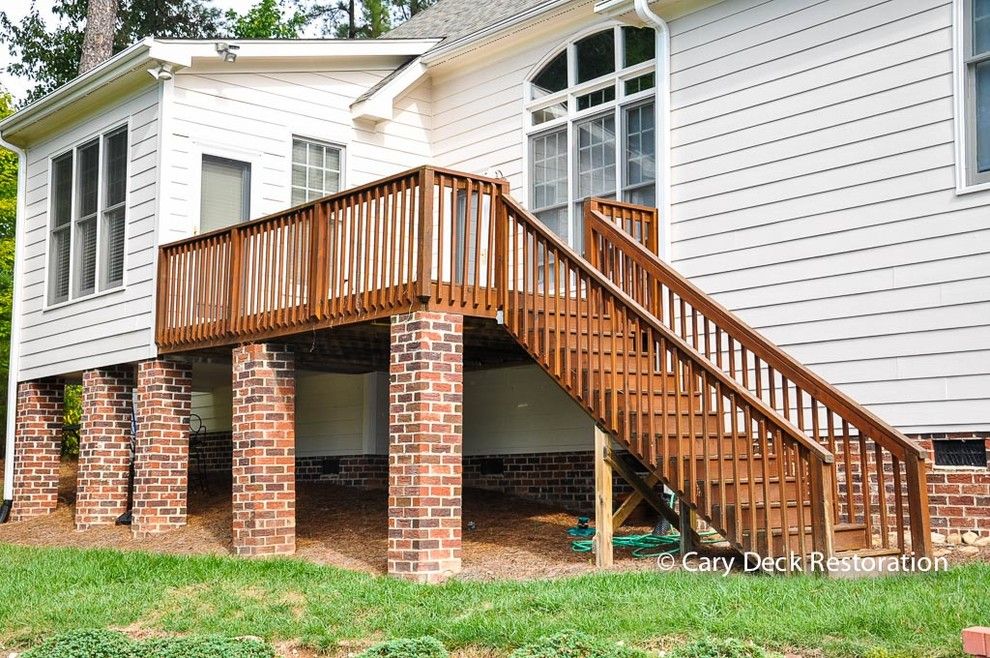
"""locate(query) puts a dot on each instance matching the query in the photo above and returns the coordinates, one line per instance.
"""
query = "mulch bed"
(340, 526)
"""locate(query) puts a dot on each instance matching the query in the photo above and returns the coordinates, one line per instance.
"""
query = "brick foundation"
(104, 446)
(161, 459)
(359, 471)
(37, 448)
(425, 411)
(264, 444)
(959, 498)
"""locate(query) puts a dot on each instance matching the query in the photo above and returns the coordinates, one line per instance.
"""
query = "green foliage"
(85, 643)
(269, 19)
(423, 647)
(111, 644)
(574, 644)
(711, 647)
(8, 214)
(203, 647)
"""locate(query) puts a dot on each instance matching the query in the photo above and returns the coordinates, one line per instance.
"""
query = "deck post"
(104, 446)
(688, 527)
(424, 452)
(425, 242)
(264, 450)
(603, 499)
(37, 447)
(161, 447)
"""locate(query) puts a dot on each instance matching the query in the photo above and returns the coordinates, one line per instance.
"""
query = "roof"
(452, 19)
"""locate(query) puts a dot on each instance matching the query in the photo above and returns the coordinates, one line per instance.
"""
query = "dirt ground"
(345, 527)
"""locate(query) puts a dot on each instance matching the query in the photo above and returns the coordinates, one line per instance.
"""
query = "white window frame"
(968, 177)
(323, 142)
(572, 115)
(98, 289)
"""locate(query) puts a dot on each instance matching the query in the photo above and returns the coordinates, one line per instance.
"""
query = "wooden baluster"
(864, 459)
(236, 279)
(847, 463)
(881, 495)
(761, 429)
(898, 502)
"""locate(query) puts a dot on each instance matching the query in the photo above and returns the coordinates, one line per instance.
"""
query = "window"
(977, 61)
(592, 127)
(316, 170)
(960, 452)
(225, 196)
(88, 199)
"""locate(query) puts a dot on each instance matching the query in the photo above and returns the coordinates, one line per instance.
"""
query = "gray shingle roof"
(458, 18)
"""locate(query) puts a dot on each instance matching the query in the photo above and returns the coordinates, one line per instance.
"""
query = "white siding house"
(813, 186)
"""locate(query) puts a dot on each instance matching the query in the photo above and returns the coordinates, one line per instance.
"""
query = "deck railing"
(371, 251)
(880, 483)
(631, 340)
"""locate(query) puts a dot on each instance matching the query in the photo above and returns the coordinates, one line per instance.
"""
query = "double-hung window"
(88, 218)
(316, 168)
(977, 89)
(591, 121)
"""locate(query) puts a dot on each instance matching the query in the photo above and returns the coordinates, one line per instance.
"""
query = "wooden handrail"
(756, 342)
(648, 319)
(776, 376)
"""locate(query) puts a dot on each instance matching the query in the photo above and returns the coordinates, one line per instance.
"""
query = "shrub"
(573, 644)
(84, 644)
(203, 647)
(423, 647)
(110, 644)
(719, 648)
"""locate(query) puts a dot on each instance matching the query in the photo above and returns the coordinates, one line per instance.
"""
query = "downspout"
(15, 331)
(648, 16)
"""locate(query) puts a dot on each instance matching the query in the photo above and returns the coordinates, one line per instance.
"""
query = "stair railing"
(878, 468)
(633, 375)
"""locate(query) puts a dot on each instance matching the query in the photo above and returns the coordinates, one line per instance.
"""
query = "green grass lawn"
(47, 590)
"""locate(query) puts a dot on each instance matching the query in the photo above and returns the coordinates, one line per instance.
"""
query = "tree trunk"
(101, 24)
(351, 21)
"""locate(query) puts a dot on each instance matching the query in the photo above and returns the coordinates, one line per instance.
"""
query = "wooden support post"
(688, 528)
(642, 491)
(603, 499)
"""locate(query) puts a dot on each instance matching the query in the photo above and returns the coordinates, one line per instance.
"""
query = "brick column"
(104, 446)
(161, 459)
(37, 447)
(264, 462)
(424, 489)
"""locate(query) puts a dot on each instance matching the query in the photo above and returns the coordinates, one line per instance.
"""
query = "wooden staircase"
(773, 458)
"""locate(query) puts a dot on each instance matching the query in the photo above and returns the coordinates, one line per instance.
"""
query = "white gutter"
(15, 321)
(647, 15)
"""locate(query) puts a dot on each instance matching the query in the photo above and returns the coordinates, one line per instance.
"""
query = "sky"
(16, 9)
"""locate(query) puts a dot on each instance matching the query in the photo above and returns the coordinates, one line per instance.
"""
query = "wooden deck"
(767, 452)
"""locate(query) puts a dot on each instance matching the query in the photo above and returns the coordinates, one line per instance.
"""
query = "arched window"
(591, 126)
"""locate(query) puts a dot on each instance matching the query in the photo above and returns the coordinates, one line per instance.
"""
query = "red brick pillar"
(264, 463)
(37, 447)
(104, 446)
(161, 458)
(424, 487)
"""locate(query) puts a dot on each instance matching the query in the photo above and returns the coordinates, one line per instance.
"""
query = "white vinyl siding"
(254, 117)
(813, 185)
(113, 325)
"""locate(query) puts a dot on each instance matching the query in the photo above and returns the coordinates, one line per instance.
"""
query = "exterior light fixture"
(228, 51)
(162, 72)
